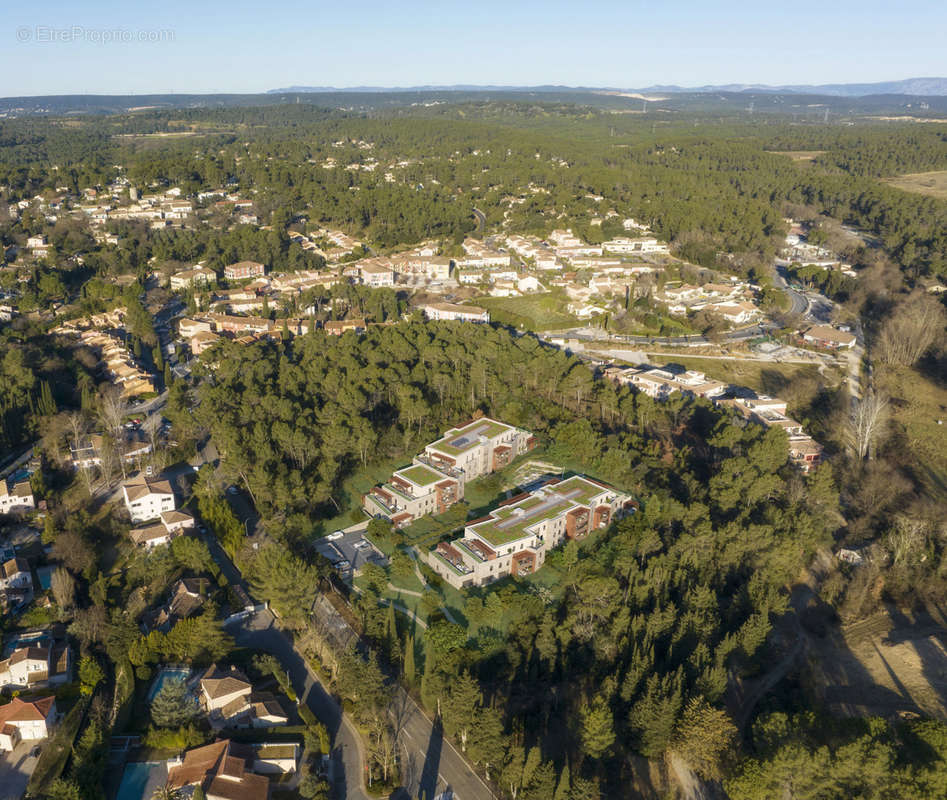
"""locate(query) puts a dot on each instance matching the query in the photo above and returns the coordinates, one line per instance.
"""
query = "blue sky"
(62, 47)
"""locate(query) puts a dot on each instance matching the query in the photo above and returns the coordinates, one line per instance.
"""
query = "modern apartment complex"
(515, 537)
(436, 478)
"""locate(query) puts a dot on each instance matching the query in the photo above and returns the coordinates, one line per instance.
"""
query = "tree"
(871, 413)
(703, 736)
(409, 667)
(63, 586)
(90, 675)
(167, 793)
(74, 552)
(460, 709)
(598, 728)
(287, 582)
(173, 705)
(63, 789)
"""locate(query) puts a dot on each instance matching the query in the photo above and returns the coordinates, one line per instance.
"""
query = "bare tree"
(151, 425)
(871, 413)
(112, 411)
(63, 586)
(911, 330)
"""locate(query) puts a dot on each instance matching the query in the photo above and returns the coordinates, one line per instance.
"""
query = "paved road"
(481, 221)
(259, 631)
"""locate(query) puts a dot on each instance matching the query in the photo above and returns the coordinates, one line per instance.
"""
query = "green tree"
(703, 737)
(90, 675)
(598, 728)
(173, 705)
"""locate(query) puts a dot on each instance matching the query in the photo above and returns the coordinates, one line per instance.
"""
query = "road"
(430, 763)
(481, 221)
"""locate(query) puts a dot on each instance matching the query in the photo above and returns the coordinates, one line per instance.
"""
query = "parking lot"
(349, 552)
(15, 770)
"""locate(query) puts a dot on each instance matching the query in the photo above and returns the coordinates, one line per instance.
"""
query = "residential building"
(224, 690)
(199, 276)
(437, 477)
(32, 666)
(829, 337)
(515, 538)
(222, 770)
(146, 498)
(660, 383)
(26, 721)
(340, 326)
(172, 524)
(15, 574)
(377, 274)
(244, 269)
(804, 452)
(642, 245)
(17, 498)
(186, 600)
(87, 452)
(454, 312)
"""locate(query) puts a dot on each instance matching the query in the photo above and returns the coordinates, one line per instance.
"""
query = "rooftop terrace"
(508, 523)
(421, 476)
(460, 440)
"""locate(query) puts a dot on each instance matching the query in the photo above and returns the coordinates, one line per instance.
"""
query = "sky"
(204, 46)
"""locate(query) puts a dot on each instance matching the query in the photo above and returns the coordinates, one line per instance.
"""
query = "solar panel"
(544, 506)
(462, 441)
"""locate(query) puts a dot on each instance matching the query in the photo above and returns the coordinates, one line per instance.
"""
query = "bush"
(306, 715)
(182, 738)
(143, 673)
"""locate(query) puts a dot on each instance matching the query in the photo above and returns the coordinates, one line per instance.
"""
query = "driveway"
(15, 771)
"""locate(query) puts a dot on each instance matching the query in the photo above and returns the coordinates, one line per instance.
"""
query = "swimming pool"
(140, 779)
(167, 674)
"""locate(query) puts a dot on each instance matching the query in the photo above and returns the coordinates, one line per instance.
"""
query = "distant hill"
(926, 87)
(929, 87)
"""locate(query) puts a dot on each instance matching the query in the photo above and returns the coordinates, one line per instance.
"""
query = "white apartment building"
(455, 313)
(661, 383)
(437, 477)
(515, 538)
(643, 245)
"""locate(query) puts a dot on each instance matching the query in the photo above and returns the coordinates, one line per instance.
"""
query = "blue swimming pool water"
(167, 674)
(135, 779)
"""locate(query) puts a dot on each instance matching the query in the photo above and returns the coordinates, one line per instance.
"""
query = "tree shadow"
(427, 781)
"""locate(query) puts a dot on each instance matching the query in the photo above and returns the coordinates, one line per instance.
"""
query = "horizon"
(110, 49)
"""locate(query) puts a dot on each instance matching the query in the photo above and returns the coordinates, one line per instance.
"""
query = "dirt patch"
(932, 184)
(891, 663)
(800, 155)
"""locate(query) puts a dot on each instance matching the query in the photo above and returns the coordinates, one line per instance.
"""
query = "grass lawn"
(353, 488)
(539, 312)
(917, 402)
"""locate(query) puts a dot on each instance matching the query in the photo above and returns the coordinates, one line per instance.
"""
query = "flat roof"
(460, 440)
(508, 523)
(420, 475)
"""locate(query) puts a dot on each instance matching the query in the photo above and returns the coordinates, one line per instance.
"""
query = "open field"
(800, 155)
(933, 184)
(539, 312)
(917, 403)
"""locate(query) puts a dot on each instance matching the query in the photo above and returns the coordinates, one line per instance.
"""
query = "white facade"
(146, 499)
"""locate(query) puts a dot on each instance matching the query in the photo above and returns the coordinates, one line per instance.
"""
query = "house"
(26, 721)
(515, 538)
(87, 451)
(173, 523)
(145, 499)
(735, 313)
(222, 770)
(454, 312)
(187, 598)
(201, 341)
(829, 337)
(436, 478)
(192, 277)
(340, 326)
(36, 666)
(17, 499)
(244, 269)
(224, 692)
(661, 383)
(15, 574)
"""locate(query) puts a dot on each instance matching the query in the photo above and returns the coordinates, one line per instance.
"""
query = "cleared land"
(540, 312)
(800, 155)
(917, 403)
(933, 184)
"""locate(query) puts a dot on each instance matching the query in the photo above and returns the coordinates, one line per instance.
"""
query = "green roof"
(506, 526)
(451, 566)
(460, 440)
(420, 475)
